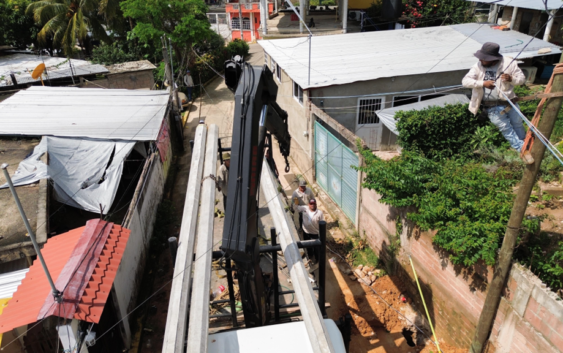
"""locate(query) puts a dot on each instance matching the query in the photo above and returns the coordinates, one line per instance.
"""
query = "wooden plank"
(314, 323)
(199, 309)
(174, 335)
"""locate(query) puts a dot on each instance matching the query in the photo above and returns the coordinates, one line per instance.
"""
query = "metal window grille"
(235, 23)
(248, 6)
(222, 18)
(246, 23)
(266, 57)
(212, 18)
(367, 110)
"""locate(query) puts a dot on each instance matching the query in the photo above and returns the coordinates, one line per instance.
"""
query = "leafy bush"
(437, 131)
(487, 136)
(465, 204)
(238, 47)
(529, 109)
(116, 53)
(544, 256)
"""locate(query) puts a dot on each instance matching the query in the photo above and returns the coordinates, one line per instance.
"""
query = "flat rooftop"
(14, 242)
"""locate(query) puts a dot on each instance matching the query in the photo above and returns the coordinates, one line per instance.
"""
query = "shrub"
(238, 47)
(109, 54)
(438, 131)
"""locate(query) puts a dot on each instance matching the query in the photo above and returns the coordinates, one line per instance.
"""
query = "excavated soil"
(444, 347)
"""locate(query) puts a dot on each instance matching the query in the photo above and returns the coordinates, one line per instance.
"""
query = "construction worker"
(490, 76)
(223, 177)
(189, 82)
(311, 218)
(302, 195)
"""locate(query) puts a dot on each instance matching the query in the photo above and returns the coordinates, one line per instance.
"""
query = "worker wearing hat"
(490, 76)
(223, 177)
(189, 82)
(300, 197)
(311, 218)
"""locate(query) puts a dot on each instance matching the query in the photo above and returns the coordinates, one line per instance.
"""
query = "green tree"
(16, 28)
(67, 21)
(183, 21)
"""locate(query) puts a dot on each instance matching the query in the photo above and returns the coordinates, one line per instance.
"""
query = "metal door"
(368, 125)
(334, 170)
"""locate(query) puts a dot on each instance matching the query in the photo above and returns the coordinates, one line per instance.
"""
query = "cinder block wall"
(529, 320)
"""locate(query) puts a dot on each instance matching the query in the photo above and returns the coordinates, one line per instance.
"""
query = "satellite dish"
(36, 74)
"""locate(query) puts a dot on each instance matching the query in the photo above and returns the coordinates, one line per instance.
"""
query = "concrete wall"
(126, 80)
(529, 319)
(140, 221)
(556, 34)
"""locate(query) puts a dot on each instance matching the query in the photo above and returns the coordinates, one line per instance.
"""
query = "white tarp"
(387, 116)
(85, 172)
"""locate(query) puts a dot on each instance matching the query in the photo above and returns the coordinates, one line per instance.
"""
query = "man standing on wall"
(189, 82)
(490, 76)
(223, 177)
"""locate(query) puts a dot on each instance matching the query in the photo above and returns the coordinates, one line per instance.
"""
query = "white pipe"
(314, 323)
(174, 334)
(344, 16)
(302, 13)
(199, 309)
(549, 25)
(264, 16)
(514, 14)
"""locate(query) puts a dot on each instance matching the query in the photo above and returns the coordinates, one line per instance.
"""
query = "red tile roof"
(87, 259)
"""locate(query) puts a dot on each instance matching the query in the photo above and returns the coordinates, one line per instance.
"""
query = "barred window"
(367, 109)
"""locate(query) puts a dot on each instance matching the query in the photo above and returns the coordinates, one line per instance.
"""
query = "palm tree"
(67, 21)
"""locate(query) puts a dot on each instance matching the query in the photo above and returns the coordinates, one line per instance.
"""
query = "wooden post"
(504, 261)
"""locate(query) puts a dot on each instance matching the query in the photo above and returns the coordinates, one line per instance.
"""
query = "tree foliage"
(183, 21)
(115, 53)
(16, 29)
(429, 13)
(66, 21)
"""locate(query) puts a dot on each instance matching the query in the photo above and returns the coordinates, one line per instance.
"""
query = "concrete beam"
(316, 329)
(199, 309)
(174, 335)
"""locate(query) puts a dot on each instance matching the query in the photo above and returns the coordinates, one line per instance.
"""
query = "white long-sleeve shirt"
(188, 81)
(311, 219)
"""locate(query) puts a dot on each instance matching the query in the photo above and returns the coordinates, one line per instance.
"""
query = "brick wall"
(529, 318)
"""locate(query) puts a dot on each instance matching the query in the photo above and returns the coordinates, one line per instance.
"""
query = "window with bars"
(235, 23)
(266, 58)
(298, 92)
(367, 108)
(222, 18)
(212, 18)
(246, 23)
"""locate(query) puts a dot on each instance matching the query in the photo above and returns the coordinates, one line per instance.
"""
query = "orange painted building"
(250, 20)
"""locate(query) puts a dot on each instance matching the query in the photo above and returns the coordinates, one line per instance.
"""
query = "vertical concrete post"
(344, 16)
(199, 309)
(302, 13)
(513, 19)
(549, 25)
(264, 16)
(493, 13)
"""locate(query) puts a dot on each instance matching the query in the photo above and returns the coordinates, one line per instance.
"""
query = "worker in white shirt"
(300, 197)
(311, 218)
(222, 179)
(189, 82)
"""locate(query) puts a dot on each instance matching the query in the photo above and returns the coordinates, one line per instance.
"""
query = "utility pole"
(176, 103)
(56, 293)
(545, 126)
(240, 19)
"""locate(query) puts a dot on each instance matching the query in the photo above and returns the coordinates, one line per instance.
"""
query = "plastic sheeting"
(387, 116)
(85, 172)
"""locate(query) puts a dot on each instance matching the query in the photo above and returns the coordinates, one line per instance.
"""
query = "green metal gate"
(334, 172)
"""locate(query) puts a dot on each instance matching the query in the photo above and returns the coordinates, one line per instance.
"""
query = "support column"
(549, 25)
(302, 13)
(344, 15)
(252, 34)
(513, 19)
(492, 13)
(264, 17)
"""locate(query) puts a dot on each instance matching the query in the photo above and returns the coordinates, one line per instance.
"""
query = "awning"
(85, 172)
(83, 263)
(387, 116)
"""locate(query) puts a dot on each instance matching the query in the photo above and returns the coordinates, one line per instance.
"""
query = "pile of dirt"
(389, 288)
(444, 347)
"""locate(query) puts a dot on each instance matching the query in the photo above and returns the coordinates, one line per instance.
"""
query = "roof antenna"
(56, 293)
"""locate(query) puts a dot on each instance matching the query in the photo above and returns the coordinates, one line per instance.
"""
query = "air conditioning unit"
(530, 73)
(355, 15)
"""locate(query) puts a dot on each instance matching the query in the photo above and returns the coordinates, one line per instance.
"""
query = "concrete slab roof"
(526, 4)
(131, 66)
(14, 242)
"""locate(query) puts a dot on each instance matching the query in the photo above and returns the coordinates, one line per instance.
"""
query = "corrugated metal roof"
(525, 4)
(10, 281)
(78, 71)
(115, 114)
(63, 254)
(346, 58)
